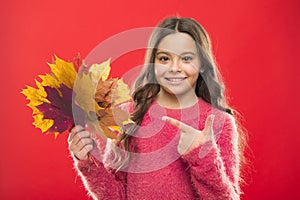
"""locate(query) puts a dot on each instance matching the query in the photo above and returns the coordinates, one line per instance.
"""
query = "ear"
(203, 65)
(202, 69)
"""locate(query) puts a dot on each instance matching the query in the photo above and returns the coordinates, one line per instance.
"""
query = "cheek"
(159, 70)
(193, 74)
(191, 71)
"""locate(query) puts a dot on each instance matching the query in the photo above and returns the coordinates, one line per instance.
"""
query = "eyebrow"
(168, 53)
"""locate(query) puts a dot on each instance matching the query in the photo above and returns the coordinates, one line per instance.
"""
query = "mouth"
(175, 80)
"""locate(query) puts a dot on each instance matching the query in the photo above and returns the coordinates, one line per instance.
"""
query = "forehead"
(177, 43)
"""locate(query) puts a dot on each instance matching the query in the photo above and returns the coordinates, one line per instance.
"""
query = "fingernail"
(164, 118)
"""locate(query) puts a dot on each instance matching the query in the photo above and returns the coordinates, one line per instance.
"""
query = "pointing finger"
(209, 123)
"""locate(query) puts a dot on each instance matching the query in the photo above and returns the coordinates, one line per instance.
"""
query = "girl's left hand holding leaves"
(191, 138)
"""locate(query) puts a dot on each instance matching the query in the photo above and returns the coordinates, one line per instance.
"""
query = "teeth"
(175, 79)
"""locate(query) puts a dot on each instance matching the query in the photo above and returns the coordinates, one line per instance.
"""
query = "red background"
(256, 44)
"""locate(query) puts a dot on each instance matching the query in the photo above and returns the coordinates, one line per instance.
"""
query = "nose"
(175, 66)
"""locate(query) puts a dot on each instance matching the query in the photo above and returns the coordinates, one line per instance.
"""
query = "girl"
(186, 144)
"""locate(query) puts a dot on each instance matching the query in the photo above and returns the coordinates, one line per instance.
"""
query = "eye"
(163, 58)
(187, 58)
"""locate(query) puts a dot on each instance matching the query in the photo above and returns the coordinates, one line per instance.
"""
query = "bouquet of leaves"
(75, 94)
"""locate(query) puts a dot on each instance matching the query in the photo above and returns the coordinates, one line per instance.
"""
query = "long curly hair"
(209, 85)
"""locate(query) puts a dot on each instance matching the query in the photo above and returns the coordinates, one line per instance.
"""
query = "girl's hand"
(80, 142)
(191, 138)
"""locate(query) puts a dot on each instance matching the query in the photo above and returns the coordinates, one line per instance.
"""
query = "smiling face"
(177, 65)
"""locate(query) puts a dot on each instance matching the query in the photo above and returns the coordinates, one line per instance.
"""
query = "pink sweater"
(157, 171)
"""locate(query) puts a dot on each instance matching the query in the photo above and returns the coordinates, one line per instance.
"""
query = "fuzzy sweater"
(157, 171)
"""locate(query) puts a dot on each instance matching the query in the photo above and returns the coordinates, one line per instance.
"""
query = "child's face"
(177, 64)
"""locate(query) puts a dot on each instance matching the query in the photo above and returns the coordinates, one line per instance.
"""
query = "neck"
(172, 101)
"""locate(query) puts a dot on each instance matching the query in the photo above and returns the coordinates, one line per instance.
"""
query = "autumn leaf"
(48, 80)
(121, 93)
(112, 92)
(104, 92)
(62, 99)
(43, 124)
(113, 116)
(84, 90)
(64, 72)
(51, 101)
(35, 97)
(99, 71)
(59, 110)
(111, 120)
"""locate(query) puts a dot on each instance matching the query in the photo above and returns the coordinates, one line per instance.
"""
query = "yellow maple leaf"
(35, 96)
(84, 89)
(100, 71)
(64, 72)
(49, 80)
(41, 123)
(121, 93)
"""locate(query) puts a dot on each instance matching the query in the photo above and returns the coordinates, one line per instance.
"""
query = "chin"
(175, 91)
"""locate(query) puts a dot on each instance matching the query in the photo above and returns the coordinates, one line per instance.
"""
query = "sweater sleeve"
(100, 181)
(214, 166)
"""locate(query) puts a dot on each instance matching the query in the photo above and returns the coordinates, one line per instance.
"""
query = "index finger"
(182, 126)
